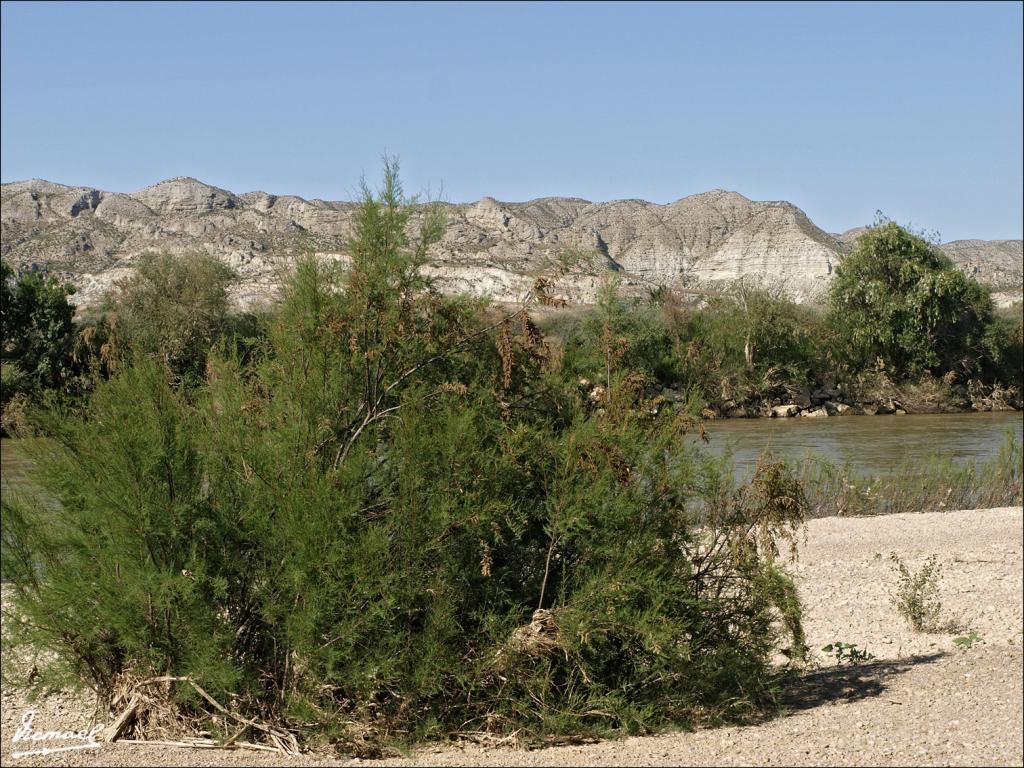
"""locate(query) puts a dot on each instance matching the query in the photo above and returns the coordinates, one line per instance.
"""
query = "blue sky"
(843, 109)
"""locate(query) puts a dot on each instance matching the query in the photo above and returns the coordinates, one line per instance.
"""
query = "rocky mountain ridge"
(701, 243)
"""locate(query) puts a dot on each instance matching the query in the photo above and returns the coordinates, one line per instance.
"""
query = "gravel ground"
(921, 701)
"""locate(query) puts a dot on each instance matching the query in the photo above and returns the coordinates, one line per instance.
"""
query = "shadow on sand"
(847, 682)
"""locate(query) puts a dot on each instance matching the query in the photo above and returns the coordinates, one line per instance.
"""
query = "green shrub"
(968, 641)
(747, 343)
(847, 653)
(917, 596)
(629, 333)
(772, 338)
(1005, 340)
(394, 522)
(899, 312)
(173, 307)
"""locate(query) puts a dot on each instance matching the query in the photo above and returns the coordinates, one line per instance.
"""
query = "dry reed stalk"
(283, 741)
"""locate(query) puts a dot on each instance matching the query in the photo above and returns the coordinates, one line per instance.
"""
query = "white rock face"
(185, 195)
(699, 244)
(997, 263)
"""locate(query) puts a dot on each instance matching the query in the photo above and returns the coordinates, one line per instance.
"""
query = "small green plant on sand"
(848, 653)
(964, 642)
(917, 594)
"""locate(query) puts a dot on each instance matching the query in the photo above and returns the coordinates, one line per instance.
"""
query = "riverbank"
(923, 699)
(928, 396)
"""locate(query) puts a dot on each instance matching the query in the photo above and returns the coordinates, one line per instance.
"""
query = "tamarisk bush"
(394, 521)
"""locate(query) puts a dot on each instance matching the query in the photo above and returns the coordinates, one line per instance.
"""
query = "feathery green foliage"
(395, 521)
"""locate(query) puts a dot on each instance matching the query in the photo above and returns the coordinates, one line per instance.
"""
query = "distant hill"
(703, 242)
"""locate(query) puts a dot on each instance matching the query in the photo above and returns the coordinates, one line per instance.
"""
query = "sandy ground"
(921, 701)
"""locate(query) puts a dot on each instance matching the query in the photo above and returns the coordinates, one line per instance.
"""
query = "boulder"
(671, 395)
(802, 397)
(815, 413)
(785, 411)
(837, 409)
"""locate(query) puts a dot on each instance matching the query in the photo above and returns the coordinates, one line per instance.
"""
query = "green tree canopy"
(37, 329)
(898, 298)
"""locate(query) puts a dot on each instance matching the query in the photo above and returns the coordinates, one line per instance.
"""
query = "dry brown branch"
(121, 723)
(284, 742)
(232, 739)
(200, 744)
(547, 569)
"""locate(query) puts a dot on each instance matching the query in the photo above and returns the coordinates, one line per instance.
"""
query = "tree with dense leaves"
(897, 298)
(37, 330)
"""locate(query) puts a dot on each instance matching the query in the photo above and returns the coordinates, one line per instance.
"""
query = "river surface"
(15, 465)
(871, 444)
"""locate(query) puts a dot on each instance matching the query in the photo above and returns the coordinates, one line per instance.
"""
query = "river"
(15, 465)
(871, 444)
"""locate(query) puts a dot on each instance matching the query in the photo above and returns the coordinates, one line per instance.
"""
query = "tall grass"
(934, 484)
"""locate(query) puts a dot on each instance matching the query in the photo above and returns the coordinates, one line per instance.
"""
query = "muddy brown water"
(871, 444)
(15, 465)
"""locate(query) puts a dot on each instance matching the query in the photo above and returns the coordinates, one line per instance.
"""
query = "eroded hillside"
(702, 242)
